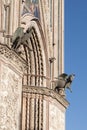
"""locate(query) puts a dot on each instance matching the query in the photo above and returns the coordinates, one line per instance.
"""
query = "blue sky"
(76, 62)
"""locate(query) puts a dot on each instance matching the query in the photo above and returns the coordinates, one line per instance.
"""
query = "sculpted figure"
(64, 82)
(19, 38)
(16, 39)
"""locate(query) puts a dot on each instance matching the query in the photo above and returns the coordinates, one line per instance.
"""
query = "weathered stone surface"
(42, 108)
(10, 98)
(49, 108)
(56, 118)
(11, 74)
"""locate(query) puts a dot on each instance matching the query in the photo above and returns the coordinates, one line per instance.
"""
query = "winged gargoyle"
(64, 82)
(16, 39)
(19, 38)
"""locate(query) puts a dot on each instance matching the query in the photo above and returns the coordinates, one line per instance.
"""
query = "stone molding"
(46, 92)
(10, 55)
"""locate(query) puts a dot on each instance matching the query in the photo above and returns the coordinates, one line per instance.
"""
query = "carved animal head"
(69, 81)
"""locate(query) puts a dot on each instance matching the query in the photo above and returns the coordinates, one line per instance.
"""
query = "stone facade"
(30, 63)
(11, 71)
(47, 109)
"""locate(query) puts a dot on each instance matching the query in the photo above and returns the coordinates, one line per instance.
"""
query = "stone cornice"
(47, 92)
(12, 57)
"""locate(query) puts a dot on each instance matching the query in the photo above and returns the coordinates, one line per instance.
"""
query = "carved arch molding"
(36, 58)
(33, 50)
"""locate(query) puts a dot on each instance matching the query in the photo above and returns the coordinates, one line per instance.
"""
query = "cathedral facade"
(31, 58)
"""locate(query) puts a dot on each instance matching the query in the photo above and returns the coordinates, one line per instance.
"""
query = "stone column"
(31, 127)
(27, 112)
(24, 111)
(36, 112)
(47, 109)
(7, 25)
(58, 36)
(40, 113)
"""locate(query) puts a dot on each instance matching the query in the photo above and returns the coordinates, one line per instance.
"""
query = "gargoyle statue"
(64, 81)
(16, 39)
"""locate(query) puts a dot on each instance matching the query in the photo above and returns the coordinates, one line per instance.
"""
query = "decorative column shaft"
(31, 114)
(40, 113)
(36, 113)
(46, 109)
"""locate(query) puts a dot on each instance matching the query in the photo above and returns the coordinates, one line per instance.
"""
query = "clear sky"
(76, 62)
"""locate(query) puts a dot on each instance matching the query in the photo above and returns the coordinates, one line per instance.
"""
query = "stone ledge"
(47, 92)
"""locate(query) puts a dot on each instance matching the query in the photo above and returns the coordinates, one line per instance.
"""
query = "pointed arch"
(34, 51)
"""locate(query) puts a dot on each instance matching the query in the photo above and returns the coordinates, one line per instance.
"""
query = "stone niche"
(10, 90)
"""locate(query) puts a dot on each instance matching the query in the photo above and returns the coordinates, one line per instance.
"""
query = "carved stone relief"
(10, 99)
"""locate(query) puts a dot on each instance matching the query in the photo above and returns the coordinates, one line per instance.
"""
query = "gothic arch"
(34, 51)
